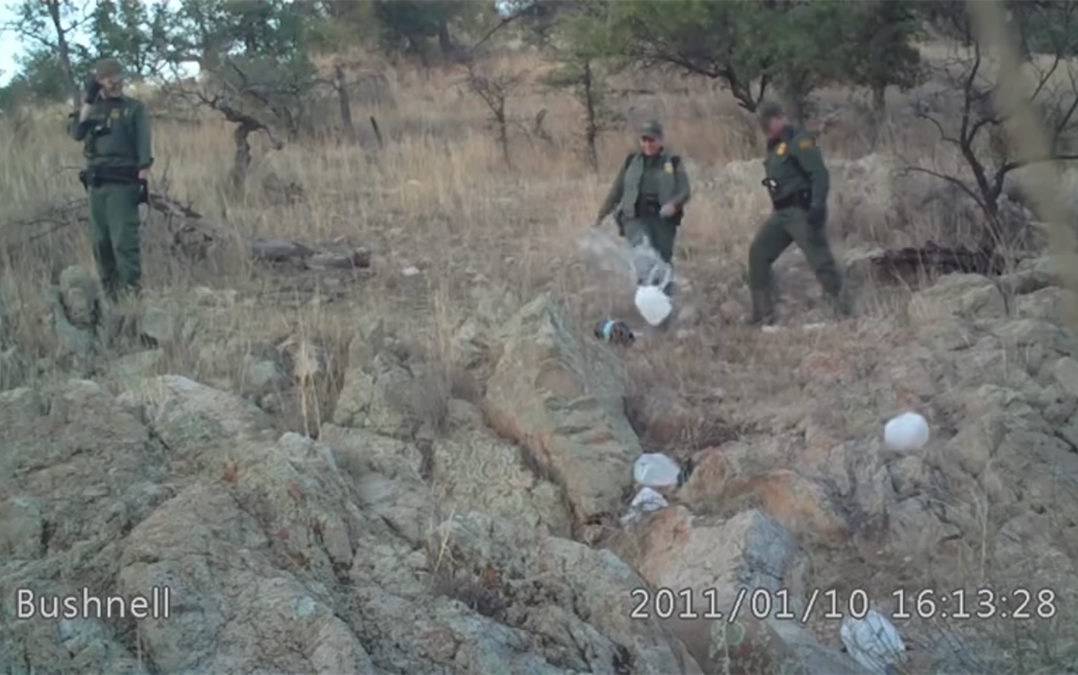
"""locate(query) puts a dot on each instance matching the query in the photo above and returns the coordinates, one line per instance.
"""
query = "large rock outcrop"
(562, 398)
(284, 554)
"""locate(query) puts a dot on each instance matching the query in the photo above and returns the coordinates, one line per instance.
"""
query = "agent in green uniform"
(798, 183)
(649, 194)
(115, 131)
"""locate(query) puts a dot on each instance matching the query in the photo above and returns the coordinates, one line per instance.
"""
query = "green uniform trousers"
(114, 234)
(658, 231)
(781, 229)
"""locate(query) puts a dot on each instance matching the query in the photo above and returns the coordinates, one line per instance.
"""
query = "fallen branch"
(192, 234)
(906, 263)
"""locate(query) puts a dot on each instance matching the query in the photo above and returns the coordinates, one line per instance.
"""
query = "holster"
(800, 199)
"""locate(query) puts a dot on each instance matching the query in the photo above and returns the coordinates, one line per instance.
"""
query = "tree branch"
(950, 179)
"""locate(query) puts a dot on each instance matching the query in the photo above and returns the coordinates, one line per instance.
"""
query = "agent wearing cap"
(798, 183)
(649, 195)
(115, 132)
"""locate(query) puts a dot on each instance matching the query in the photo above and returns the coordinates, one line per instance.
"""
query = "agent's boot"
(763, 309)
(842, 303)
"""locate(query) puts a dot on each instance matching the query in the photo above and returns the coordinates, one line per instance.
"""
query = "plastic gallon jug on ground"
(653, 304)
(908, 431)
(655, 469)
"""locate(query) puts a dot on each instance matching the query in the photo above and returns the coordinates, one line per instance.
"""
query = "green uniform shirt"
(115, 134)
(795, 164)
(650, 181)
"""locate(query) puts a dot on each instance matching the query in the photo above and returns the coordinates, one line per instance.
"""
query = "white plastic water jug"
(908, 431)
(655, 469)
(653, 304)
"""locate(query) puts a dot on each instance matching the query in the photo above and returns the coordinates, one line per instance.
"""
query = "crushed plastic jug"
(873, 642)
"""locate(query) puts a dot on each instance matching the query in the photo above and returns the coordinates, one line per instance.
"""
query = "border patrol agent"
(649, 194)
(115, 131)
(798, 183)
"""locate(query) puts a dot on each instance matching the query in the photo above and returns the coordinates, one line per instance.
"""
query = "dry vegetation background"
(438, 197)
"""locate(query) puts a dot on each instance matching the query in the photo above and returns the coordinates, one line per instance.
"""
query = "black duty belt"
(96, 176)
(645, 208)
(800, 200)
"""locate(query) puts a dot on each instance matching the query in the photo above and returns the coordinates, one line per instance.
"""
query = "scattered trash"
(772, 329)
(410, 271)
(648, 500)
(653, 304)
(614, 331)
(908, 431)
(607, 254)
(873, 642)
(645, 501)
(655, 469)
(649, 267)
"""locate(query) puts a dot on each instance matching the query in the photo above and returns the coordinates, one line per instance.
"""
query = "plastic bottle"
(614, 332)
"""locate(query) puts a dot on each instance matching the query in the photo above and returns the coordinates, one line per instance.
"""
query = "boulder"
(190, 417)
(387, 476)
(485, 474)
(77, 472)
(662, 418)
(717, 557)
(374, 397)
(276, 623)
(958, 295)
(561, 398)
(574, 601)
(81, 298)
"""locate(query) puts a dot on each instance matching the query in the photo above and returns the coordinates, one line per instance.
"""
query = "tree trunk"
(344, 102)
(64, 53)
(879, 100)
(793, 103)
(879, 113)
(445, 41)
(242, 159)
(503, 131)
(591, 130)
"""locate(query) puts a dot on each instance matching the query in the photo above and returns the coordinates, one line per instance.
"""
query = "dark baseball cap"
(652, 129)
(769, 110)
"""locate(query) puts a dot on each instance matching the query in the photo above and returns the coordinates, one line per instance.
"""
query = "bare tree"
(50, 24)
(242, 103)
(977, 133)
(340, 85)
(495, 90)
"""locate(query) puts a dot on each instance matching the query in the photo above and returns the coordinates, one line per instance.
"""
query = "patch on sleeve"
(806, 143)
(668, 167)
(780, 149)
(115, 113)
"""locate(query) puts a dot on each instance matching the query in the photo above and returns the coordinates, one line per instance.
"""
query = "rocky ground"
(478, 529)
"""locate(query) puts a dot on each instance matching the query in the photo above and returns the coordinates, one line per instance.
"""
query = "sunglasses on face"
(649, 139)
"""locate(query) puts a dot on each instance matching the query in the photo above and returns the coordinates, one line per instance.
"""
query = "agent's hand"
(92, 89)
(668, 209)
(143, 174)
(817, 216)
